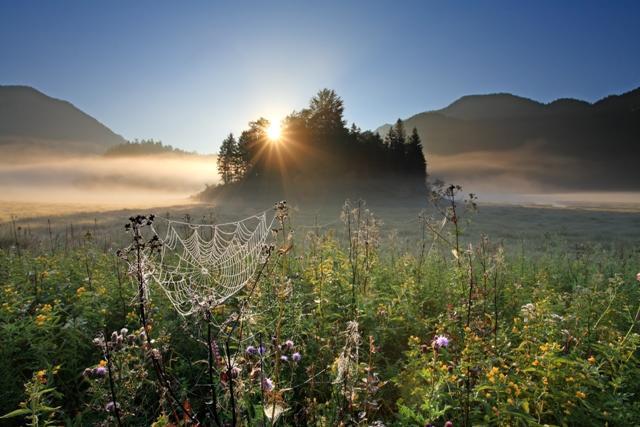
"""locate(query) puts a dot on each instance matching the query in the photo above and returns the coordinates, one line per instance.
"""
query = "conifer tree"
(415, 154)
(395, 140)
(227, 158)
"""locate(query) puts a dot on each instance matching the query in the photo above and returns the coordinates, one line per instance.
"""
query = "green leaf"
(17, 413)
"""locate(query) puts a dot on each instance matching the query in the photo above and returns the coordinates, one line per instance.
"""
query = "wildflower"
(102, 363)
(591, 360)
(262, 350)
(492, 373)
(81, 290)
(251, 350)
(580, 395)
(124, 331)
(448, 424)
(100, 371)
(110, 406)
(441, 341)
(296, 357)
(235, 371)
(288, 344)
(42, 376)
(284, 358)
(267, 384)
(41, 319)
(535, 362)
(638, 277)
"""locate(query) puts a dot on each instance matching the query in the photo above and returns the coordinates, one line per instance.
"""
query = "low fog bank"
(104, 182)
(45, 185)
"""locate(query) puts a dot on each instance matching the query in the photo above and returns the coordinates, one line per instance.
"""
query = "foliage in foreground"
(337, 331)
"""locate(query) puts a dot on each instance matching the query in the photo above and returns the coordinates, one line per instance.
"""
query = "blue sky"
(188, 73)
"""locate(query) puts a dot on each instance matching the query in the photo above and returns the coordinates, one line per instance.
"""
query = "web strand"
(202, 265)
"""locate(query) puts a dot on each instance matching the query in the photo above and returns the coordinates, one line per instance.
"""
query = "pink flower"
(638, 277)
(267, 384)
(441, 341)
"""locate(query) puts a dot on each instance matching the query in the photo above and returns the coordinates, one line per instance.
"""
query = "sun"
(273, 131)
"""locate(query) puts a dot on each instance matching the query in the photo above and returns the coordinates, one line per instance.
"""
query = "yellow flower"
(535, 362)
(41, 375)
(492, 373)
(41, 319)
(544, 348)
(510, 401)
(591, 360)
(545, 381)
(580, 395)
(81, 290)
(102, 363)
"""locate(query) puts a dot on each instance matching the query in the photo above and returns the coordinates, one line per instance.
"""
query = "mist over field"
(100, 182)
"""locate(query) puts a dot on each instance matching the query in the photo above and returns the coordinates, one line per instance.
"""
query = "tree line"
(142, 147)
(316, 143)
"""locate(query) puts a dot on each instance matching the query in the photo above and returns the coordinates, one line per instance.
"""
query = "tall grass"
(346, 326)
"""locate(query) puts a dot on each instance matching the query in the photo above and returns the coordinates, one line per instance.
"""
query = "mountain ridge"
(564, 144)
(31, 119)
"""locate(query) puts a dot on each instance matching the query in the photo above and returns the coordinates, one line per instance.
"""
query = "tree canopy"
(315, 143)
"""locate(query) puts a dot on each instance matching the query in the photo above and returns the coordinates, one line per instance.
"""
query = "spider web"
(202, 265)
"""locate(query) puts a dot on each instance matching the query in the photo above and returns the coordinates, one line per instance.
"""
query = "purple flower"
(441, 341)
(100, 371)
(284, 358)
(235, 371)
(252, 350)
(267, 384)
(288, 344)
(262, 350)
(296, 357)
(110, 406)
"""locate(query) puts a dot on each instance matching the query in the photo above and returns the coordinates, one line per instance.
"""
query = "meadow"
(361, 315)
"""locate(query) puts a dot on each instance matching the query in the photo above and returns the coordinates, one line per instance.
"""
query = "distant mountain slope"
(566, 144)
(32, 121)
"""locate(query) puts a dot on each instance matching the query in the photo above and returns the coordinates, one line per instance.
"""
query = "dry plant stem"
(214, 397)
(232, 397)
(262, 381)
(111, 384)
(241, 323)
(143, 319)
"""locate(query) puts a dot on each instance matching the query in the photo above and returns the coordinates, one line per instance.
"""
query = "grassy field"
(507, 316)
